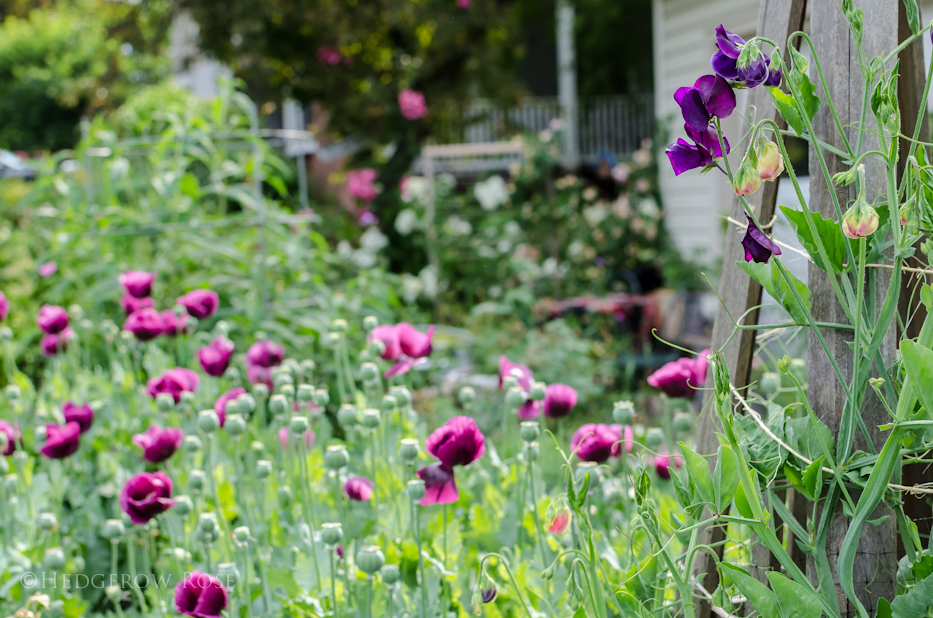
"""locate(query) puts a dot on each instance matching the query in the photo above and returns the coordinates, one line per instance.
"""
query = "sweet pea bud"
(287, 390)
(770, 383)
(196, 480)
(183, 506)
(278, 404)
(46, 521)
(746, 180)
(389, 403)
(321, 397)
(530, 431)
(375, 348)
(558, 516)
(476, 602)
(654, 437)
(370, 322)
(538, 391)
(906, 213)
(54, 559)
(260, 391)
(305, 393)
(860, 221)
(515, 397)
(339, 325)
(402, 395)
(370, 559)
(408, 450)
(798, 369)
(228, 574)
(683, 422)
(532, 450)
(467, 395)
(623, 412)
(285, 496)
(299, 425)
(336, 457)
(371, 418)
(192, 444)
(207, 523)
(164, 402)
(263, 468)
(416, 489)
(487, 588)
(208, 421)
(369, 372)
(509, 382)
(331, 533)
(390, 574)
(770, 161)
(12, 392)
(235, 425)
(846, 178)
(347, 415)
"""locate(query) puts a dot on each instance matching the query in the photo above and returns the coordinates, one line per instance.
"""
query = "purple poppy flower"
(595, 442)
(137, 284)
(388, 335)
(559, 400)
(458, 442)
(663, 463)
(710, 96)
(413, 343)
(265, 354)
(200, 595)
(402, 366)
(52, 344)
(200, 303)
(12, 435)
(4, 306)
(146, 495)
(131, 304)
(285, 434)
(629, 441)
(358, 488)
(159, 444)
(682, 377)
(518, 371)
(215, 357)
(173, 382)
(145, 324)
(173, 324)
(61, 440)
(83, 415)
(220, 406)
(439, 484)
(52, 319)
(758, 246)
(48, 269)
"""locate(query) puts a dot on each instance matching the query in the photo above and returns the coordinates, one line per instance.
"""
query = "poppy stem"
(333, 581)
(416, 530)
(534, 511)
(309, 510)
(131, 560)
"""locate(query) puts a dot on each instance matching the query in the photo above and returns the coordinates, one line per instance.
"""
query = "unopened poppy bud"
(278, 404)
(187, 398)
(860, 221)
(408, 450)
(509, 382)
(263, 468)
(467, 395)
(370, 559)
(389, 403)
(260, 391)
(299, 425)
(390, 574)
(241, 534)
(10, 483)
(247, 403)
(370, 322)
(285, 496)
(683, 422)
(12, 392)
(287, 391)
(402, 395)
(558, 516)
(339, 325)
(532, 450)
(183, 506)
(347, 415)
(78, 563)
(207, 522)
(530, 431)
(770, 383)
(235, 425)
(746, 180)
(331, 533)
(54, 559)
(369, 372)
(196, 480)
(282, 379)
(164, 402)
(228, 574)
(770, 161)
(336, 457)
(538, 391)
(114, 593)
(654, 437)
(20, 457)
(305, 393)
(208, 421)
(371, 418)
(623, 412)
(321, 397)
(192, 444)
(113, 529)
(46, 521)
(515, 397)
(334, 339)
(416, 489)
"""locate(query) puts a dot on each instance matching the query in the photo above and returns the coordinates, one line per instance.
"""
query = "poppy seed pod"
(390, 574)
(287, 391)
(247, 403)
(196, 480)
(331, 533)
(263, 468)
(12, 392)
(376, 347)
(467, 395)
(207, 523)
(416, 489)
(183, 506)
(54, 559)
(530, 431)
(208, 421)
(278, 404)
(408, 450)
(389, 403)
(321, 397)
(532, 450)
(654, 437)
(235, 425)
(241, 534)
(515, 397)
(285, 496)
(369, 372)
(683, 422)
(623, 412)
(305, 393)
(333, 339)
(299, 425)
(538, 391)
(260, 391)
(509, 382)
(228, 574)
(347, 415)
(370, 559)
(336, 457)
(339, 325)
(282, 379)
(402, 395)
(770, 383)
(370, 322)
(192, 444)
(164, 402)
(46, 521)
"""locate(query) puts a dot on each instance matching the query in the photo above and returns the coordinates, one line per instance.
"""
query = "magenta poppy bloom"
(758, 246)
(61, 440)
(411, 104)
(329, 54)
(52, 319)
(83, 415)
(4, 306)
(725, 62)
(388, 335)
(285, 434)
(458, 442)
(518, 371)
(463, 4)
(137, 284)
(358, 488)
(680, 378)
(215, 357)
(629, 441)
(199, 303)
(220, 406)
(146, 495)
(559, 400)
(663, 463)
(200, 595)
(48, 269)
(145, 324)
(413, 343)
(131, 304)
(12, 435)
(173, 324)
(596, 442)
(159, 444)
(265, 354)
(530, 410)
(361, 183)
(52, 344)
(173, 382)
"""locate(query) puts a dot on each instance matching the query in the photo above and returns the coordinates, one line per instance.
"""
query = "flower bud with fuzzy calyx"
(861, 220)
(207, 523)
(746, 180)
(770, 162)
(466, 395)
(287, 391)
(281, 379)
(390, 574)
(247, 404)
(241, 534)
(558, 516)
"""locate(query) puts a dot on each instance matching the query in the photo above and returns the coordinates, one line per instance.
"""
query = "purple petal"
(693, 109)
(403, 366)
(729, 43)
(774, 77)
(685, 157)
(724, 66)
(440, 485)
(708, 139)
(758, 246)
(717, 95)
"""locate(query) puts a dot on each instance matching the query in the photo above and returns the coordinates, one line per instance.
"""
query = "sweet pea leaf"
(813, 478)
(834, 241)
(918, 361)
(918, 601)
(788, 109)
(756, 592)
(793, 600)
(764, 453)
(913, 15)
(741, 503)
(793, 475)
(773, 281)
(698, 469)
(725, 478)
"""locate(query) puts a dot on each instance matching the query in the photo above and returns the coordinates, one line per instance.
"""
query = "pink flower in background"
(458, 442)
(159, 444)
(215, 357)
(463, 4)
(61, 440)
(48, 269)
(137, 283)
(388, 335)
(404, 344)
(413, 343)
(559, 400)
(54, 343)
(597, 442)
(11, 436)
(83, 415)
(200, 303)
(200, 595)
(173, 324)
(145, 324)
(329, 54)
(261, 357)
(4, 306)
(285, 434)
(174, 382)
(531, 408)
(412, 105)
(131, 304)
(629, 440)
(663, 462)
(52, 319)
(368, 218)
(358, 488)
(682, 377)
(220, 406)
(361, 183)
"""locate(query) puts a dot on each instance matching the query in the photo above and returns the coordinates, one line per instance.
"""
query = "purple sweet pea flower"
(215, 357)
(52, 319)
(173, 382)
(159, 444)
(725, 62)
(200, 303)
(52, 344)
(146, 495)
(458, 442)
(61, 440)
(83, 415)
(758, 246)
(685, 156)
(596, 442)
(358, 488)
(220, 406)
(710, 96)
(12, 435)
(200, 595)
(559, 400)
(4, 306)
(131, 304)
(145, 324)
(137, 284)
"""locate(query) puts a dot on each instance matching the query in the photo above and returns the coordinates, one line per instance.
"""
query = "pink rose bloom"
(412, 105)
(360, 183)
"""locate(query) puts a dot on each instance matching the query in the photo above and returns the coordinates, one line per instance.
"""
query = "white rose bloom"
(406, 221)
(491, 193)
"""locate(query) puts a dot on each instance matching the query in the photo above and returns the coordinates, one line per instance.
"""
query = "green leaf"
(918, 361)
(926, 296)
(756, 592)
(884, 606)
(834, 241)
(923, 567)
(741, 503)
(788, 110)
(698, 469)
(797, 481)
(913, 15)
(773, 281)
(725, 478)
(190, 186)
(813, 478)
(279, 577)
(793, 600)
(787, 107)
(764, 454)
(916, 603)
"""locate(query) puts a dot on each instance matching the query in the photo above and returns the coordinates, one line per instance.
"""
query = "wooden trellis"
(885, 26)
